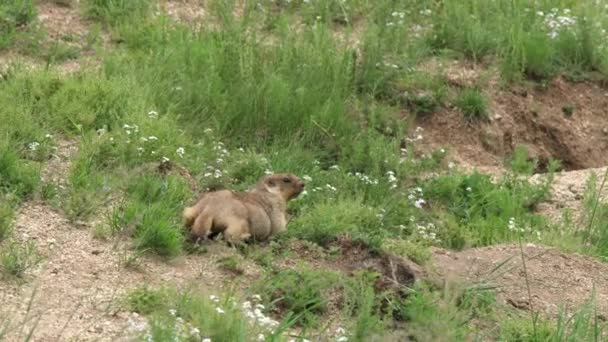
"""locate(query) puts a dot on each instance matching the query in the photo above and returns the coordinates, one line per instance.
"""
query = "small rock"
(521, 304)
(96, 252)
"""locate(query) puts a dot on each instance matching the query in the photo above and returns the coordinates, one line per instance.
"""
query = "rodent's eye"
(287, 180)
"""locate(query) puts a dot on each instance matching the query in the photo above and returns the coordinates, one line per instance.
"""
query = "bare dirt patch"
(564, 120)
(77, 290)
(186, 11)
(62, 22)
(568, 193)
(555, 278)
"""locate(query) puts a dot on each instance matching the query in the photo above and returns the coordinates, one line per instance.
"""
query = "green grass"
(174, 109)
(14, 14)
(116, 11)
(16, 258)
(191, 314)
(473, 104)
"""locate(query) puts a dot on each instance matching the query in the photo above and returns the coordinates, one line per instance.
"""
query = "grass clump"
(6, 219)
(192, 315)
(16, 259)
(473, 104)
(151, 214)
(17, 176)
(303, 292)
(327, 221)
(146, 301)
(14, 14)
(116, 11)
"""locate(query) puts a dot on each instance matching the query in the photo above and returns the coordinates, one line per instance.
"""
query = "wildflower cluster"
(417, 136)
(427, 232)
(221, 153)
(341, 335)
(515, 228)
(396, 19)
(392, 180)
(558, 21)
(365, 179)
(416, 196)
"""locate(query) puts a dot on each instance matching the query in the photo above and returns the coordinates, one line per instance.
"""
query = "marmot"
(258, 213)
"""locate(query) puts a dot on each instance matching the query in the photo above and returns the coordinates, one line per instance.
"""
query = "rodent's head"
(288, 185)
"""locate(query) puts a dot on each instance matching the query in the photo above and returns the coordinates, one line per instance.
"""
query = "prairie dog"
(258, 213)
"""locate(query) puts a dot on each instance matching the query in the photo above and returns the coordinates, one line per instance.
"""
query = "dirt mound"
(349, 256)
(555, 278)
(564, 121)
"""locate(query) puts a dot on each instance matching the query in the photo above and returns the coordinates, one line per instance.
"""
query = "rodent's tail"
(189, 215)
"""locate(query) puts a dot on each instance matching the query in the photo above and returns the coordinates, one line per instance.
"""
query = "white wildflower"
(173, 312)
(33, 146)
(101, 131)
(307, 178)
(152, 114)
(164, 160)
(261, 337)
(214, 298)
(152, 138)
(195, 332)
(419, 203)
(334, 167)
(206, 340)
(180, 152)
(220, 310)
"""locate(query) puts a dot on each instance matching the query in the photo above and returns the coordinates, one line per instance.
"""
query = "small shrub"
(521, 163)
(473, 105)
(231, 264)
(6, 219)
(16, 176)
(16, 259)
(145, 300)
(116, 11)
(158, 232)
(301, 292)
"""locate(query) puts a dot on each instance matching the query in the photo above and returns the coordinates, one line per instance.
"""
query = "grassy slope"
(274, 89)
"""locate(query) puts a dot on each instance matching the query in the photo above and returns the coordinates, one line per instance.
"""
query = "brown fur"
(258, 213)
